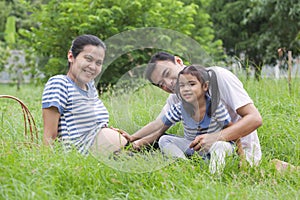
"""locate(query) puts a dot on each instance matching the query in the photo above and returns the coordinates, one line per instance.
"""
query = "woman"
(72, 111)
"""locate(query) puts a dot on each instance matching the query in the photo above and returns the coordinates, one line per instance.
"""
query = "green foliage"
(5, 10)
(281, 28)
(204, 32)
(10, 31)
(4, 54)
(40, 173)
(62, 21)
(21, 10)
(17, 14)
(257, 28)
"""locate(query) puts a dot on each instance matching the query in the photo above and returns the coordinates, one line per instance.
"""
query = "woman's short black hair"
(81, 41)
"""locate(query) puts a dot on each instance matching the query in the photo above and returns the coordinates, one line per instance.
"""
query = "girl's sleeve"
(222, 114)
(172, 116)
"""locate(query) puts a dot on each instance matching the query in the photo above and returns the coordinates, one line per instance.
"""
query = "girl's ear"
(205, 86)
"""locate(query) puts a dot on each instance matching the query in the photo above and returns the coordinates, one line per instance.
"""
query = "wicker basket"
(29, 123)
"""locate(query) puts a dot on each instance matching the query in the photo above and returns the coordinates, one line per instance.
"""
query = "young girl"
(202, 112)
(72, 111)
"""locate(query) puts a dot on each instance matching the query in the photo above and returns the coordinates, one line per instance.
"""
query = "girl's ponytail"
(213, 92)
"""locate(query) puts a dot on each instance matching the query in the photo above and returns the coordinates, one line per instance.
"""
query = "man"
(163, 71)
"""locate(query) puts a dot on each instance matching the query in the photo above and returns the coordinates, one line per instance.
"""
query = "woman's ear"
(70, 57)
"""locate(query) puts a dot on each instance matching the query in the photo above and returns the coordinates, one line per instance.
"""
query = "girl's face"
(190, 89)
(86, 66)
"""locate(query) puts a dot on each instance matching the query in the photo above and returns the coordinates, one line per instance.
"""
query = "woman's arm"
(50, 118)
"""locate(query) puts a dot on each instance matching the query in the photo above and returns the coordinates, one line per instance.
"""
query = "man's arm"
(250, 121)
(237, 99)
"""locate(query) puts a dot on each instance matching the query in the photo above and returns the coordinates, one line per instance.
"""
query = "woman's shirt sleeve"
(55, 93)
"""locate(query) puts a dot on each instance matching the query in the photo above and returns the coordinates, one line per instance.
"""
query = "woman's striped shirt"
(82, 113)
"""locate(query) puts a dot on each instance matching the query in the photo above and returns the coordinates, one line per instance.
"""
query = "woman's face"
(87, 65)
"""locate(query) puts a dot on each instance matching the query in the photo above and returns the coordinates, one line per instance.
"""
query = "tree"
(5, 11)
(15, 17)
(282, 28)
(257, 28)
(10, 31)
(60, 21)
(204, 31)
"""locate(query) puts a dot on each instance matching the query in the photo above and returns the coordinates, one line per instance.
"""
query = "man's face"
(165, 75)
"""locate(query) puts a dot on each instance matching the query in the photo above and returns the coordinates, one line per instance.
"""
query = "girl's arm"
(152, 137)
(147, 131)
(50, 118)
(161, 128)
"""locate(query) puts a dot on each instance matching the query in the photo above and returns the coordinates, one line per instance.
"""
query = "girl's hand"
(128, 137)
(205, 141)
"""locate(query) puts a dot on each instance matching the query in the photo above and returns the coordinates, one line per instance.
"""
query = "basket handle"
(28, 119)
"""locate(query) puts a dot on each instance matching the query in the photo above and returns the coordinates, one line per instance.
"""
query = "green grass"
(41, 173)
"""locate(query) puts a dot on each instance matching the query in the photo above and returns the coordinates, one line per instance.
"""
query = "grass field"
(41, 173)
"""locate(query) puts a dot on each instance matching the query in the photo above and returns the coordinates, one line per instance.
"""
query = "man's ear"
(178, 60)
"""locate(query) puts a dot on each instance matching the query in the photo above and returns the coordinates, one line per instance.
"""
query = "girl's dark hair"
(203, 75)
(81, 41)
(160, 56)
